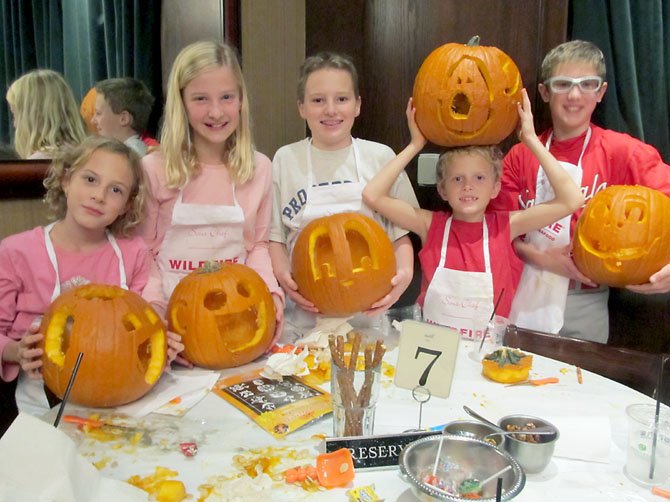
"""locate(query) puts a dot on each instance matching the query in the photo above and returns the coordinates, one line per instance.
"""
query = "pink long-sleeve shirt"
(27, 279)
(211, 186)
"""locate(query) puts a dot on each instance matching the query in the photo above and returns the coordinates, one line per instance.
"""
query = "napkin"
(583, 438)
(189, 385)
(39, 462)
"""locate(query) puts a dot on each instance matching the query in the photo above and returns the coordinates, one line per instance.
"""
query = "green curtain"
(634, 35)
(85, 40)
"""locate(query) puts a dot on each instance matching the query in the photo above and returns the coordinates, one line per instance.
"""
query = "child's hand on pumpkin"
(174, 348)
(399, 284)
(417, 138)
(290, 287)
(658, 283)
(29, 355)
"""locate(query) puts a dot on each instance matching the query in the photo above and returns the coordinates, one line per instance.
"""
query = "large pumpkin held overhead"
(343, 263)
(467, 95)
(622, 236)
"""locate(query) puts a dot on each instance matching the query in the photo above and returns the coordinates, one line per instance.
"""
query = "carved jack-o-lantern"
(467, 95)
(623, 237)
(122, 338)
(225, 315)
(343, 263)
(87, 110)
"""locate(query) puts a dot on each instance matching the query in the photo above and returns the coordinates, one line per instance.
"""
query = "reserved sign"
(376, 452)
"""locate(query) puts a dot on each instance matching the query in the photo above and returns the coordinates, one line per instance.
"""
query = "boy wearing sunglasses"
(553, 295)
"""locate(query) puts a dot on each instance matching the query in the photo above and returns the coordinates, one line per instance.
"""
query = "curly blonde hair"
(71, 159)
(46, 114)
(181, 159)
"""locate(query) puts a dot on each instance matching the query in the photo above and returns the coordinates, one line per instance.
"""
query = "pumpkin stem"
(473, 42)
(209, 267)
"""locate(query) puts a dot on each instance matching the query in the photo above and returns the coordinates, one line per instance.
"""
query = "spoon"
(476, 415)
(474, 486)
(539, 431)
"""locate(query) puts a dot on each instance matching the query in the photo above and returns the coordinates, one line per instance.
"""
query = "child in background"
(122, 110)
(325, 174)
(46, 116)
(572, 83)
(96, 192)
(465, 255)
(211, 191)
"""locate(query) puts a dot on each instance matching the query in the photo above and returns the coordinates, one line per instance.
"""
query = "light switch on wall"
(425, 175)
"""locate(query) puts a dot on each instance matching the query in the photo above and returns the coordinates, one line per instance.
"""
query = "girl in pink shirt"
(97, 194)
(211, 192)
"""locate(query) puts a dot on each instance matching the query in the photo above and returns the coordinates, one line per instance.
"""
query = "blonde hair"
(326, 60)
(180, 156)
(73, 158)
(491, 154)
(568, 52)
(45, 113)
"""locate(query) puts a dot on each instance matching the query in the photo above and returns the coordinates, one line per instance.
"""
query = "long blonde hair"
(45, 113)
(72, 158)
(181, 161)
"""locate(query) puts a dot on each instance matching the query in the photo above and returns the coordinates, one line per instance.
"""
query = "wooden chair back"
(633, 368)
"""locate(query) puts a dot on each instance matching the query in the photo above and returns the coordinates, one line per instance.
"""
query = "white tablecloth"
(590, 416)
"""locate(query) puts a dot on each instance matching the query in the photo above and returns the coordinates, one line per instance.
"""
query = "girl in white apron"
(329, 101)
(208, 155)
(92, 189)
(468, 178)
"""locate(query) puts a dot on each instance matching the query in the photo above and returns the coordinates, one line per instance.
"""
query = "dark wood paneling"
(21, 179)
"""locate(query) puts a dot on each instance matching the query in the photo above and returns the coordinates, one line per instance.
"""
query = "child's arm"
(376, 193)
(404, 257)
(568, 197)
(282, 269)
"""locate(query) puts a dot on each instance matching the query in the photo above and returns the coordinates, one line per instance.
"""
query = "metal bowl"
(533, 457)
(474, 429)
(462, 457)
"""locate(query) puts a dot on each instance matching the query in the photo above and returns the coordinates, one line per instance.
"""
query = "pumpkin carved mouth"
(234, 328)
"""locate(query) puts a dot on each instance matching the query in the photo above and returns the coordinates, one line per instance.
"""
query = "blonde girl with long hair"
(211, 191)
(96, 192)
(46, 115)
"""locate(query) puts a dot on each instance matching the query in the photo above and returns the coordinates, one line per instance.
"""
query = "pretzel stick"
(370, 365)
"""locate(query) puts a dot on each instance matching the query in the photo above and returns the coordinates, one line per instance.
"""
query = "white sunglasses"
(562, 85)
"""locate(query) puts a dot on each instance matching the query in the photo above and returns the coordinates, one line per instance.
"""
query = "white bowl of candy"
(454, 470)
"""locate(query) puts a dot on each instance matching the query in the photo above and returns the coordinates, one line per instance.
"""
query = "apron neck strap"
(485, 243)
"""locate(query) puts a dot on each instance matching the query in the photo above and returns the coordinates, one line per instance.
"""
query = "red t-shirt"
(610, 158)
(465, 251)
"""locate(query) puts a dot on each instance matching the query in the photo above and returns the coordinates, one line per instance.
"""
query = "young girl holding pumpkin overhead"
(46, 115)
(466, 253)
(96, 192)
(211, 190)
(325, 174)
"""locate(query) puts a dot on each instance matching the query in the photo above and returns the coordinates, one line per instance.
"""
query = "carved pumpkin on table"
(622, 236)
(343, 263)
(225, 315)
(122, 338)
(467, 95)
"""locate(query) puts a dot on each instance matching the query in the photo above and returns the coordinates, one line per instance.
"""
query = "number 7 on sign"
(426, 357)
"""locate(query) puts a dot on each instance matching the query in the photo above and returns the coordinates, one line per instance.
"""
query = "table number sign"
(427, 357)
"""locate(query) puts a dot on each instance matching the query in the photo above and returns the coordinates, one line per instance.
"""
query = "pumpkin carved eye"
(215, 300)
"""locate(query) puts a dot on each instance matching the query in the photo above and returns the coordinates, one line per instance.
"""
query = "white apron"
(540, 298)
(30, 395)
(198, 233)
(329, 199)
(324, 201)
(459, 299)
